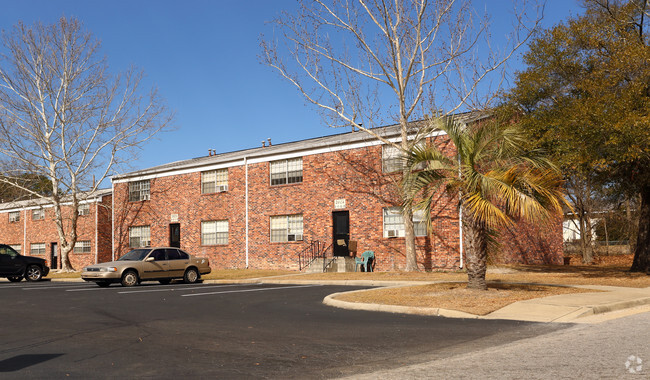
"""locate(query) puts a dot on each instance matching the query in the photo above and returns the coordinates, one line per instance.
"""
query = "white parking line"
(88, 289)
(249, 290)
(186, 288)
(55, 287)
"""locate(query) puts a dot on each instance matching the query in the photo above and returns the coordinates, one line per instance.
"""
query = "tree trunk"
(586, 239)
(476, 253)
(641, 261)
(409, 241)
(630, 228)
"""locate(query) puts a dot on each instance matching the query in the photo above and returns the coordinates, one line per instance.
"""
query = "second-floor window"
(38, 214)
(14, 216)
(84, 209)
(214, 181)
(139, 191)
(286, 171)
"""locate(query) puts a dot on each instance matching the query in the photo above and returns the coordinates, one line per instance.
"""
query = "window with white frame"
(393, 159)
(17, 247)
(394, 222)
(37, 249)
(14, 216)
(214, 232)
(82, 246)
(84, 209)
(38, 214)
(214, 181)
(286, 228)
(139, 236)
(139, 191)
(286, 171)
(419, 223)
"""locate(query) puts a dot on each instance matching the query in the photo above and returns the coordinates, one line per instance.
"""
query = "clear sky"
(202, 55)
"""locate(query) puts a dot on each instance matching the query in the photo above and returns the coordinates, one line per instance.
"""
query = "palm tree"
(496, 179)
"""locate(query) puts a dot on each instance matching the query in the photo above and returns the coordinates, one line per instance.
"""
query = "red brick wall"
(44, 231)
(354, 175)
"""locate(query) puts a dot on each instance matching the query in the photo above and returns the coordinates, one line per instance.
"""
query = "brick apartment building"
(261, 207)
(28, 226)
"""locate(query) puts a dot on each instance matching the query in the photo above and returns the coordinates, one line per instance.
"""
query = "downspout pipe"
(246, 206)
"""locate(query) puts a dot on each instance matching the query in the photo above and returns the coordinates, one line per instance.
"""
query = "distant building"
(263, 207)
(28, 226)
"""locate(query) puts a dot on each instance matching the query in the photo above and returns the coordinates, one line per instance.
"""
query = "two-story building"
(28, 226)
(261, 207)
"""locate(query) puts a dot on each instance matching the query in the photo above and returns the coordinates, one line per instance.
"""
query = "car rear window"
(172, 254)
(183, 255)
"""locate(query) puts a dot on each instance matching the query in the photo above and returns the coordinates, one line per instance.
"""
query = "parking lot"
(77, 330)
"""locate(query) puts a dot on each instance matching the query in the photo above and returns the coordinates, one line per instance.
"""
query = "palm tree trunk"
(476, 253)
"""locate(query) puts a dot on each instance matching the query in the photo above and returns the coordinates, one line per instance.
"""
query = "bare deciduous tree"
(365, 63)
(65, 117)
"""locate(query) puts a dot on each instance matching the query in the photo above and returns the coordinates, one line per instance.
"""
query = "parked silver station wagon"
(161, 264)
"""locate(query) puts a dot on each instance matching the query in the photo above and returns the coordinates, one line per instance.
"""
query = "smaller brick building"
(28, 226)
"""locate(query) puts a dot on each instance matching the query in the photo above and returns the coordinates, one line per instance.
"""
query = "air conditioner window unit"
(222, 188)
(391, 233)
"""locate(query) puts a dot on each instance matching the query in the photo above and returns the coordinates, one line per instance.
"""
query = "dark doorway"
(54, 256)
(341, 223)
(175, 235)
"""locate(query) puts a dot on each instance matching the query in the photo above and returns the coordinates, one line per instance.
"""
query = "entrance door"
(54, 255)
(175, 235)
(341, 223)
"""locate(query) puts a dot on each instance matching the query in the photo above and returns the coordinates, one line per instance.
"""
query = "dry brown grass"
(238, 274)
(455, 296)
(608, 270)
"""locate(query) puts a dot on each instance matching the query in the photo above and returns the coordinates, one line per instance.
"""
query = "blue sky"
(202, 55)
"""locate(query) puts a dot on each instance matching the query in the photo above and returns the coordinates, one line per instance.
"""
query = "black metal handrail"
(315, 250)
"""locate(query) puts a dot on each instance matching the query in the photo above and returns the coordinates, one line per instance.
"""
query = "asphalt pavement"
(77, 330)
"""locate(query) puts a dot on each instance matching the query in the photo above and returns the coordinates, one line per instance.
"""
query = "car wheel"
(129, 278)
(191, 276)
(33, 273)
(165, 281)
(15, 278)
(103, 284)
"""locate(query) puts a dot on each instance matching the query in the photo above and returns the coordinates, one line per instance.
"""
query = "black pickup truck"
(15, 266)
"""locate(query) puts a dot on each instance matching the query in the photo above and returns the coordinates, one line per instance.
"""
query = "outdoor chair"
(364, 260)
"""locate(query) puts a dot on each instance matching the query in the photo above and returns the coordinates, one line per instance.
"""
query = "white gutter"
(246, 207)
(25, 233)
(460, 233)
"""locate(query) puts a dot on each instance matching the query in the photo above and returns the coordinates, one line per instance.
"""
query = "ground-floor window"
(286, 228)
(394, 222)
(139, 236)
(17, 247)
(214, 232)
(82, 246)
(37, 249)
